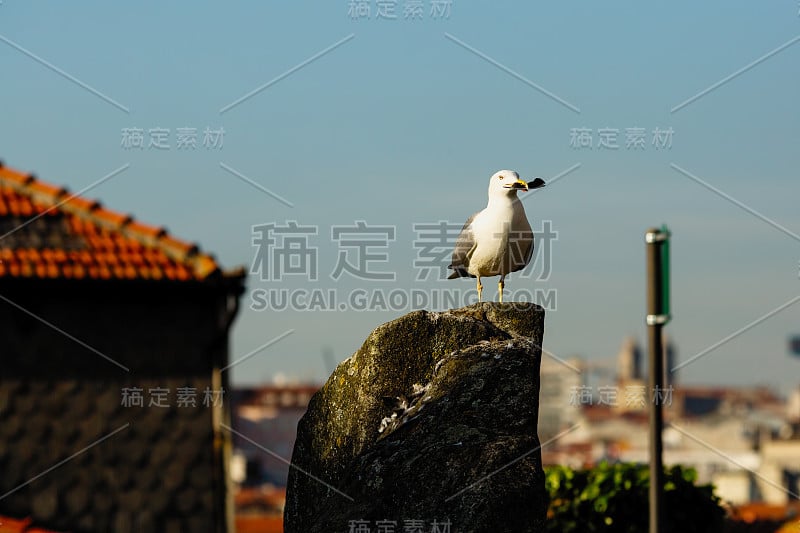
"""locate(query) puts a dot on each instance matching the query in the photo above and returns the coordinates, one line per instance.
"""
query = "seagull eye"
(500, 177)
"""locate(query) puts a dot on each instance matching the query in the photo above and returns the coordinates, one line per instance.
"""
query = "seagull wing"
(526, 252)
(465, 247)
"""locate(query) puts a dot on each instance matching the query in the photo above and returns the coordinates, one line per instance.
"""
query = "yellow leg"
(480, 289)
(500, 286)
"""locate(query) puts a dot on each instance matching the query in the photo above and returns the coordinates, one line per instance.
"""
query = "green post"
(665, 273)
(658, 314)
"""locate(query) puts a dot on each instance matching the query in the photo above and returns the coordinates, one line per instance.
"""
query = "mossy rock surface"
(433, 418)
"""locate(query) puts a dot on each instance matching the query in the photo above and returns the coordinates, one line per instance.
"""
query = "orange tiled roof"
(46, 232)
(10, 525)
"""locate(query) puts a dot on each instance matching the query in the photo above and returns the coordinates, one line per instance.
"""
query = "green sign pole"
(665, 273)
(658, 314)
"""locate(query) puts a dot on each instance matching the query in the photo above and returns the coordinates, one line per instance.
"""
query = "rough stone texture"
(462, 446)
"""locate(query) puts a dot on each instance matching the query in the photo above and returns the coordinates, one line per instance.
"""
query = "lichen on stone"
(429, 404)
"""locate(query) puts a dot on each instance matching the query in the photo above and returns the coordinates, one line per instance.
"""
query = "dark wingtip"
(459, 272)
(537, 183)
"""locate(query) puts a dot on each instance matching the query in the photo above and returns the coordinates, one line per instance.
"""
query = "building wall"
(269, 416)
(117, 468)
(558, 408)
(779, 458)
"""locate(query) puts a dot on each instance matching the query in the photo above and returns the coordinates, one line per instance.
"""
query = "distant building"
(670, 360)
(631, 383)
(794, 345)
(737, 438)
(699, 401)
(559, 395)
(112, 383)
(268, 415)
(265, 421)
(793, 406)
(779, 480)
(629, 361)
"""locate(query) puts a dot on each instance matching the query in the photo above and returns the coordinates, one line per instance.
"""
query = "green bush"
(614, 499)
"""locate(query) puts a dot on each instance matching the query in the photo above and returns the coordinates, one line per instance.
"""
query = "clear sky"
(401, 121)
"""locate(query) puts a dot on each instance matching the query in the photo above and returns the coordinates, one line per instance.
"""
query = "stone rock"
(433, 419)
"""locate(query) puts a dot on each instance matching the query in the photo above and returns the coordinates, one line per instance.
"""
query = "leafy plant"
(614, 499)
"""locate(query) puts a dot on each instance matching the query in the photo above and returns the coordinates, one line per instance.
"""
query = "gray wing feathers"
(465, 245)
(527, 253)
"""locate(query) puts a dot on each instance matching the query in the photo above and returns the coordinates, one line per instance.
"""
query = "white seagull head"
(507, 183)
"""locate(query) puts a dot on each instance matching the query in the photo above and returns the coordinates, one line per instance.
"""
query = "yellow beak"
(519, 185)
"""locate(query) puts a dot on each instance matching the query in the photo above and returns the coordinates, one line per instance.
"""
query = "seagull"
(497, 240)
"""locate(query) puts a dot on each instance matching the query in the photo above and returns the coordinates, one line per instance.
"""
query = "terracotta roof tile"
(11, 525)
(146, 233)
(45, 193)
(13, 176)
(110, 218)
(205, 265)
(78, 204)
(46, 232)
(177, 248)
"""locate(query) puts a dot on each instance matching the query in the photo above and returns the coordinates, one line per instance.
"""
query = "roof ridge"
(56, 198)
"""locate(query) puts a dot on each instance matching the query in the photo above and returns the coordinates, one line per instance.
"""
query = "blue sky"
(401, 124)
